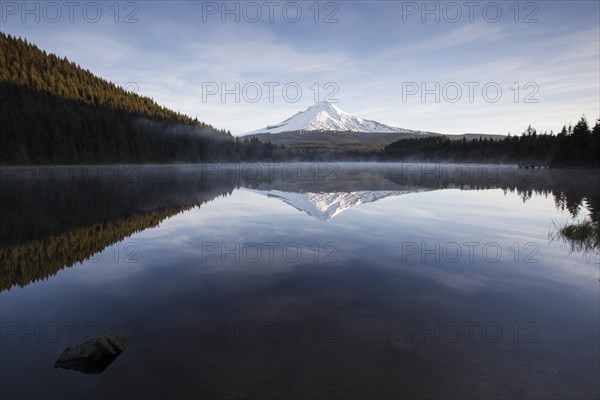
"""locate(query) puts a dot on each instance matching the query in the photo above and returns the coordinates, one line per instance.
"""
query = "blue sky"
(374, 58)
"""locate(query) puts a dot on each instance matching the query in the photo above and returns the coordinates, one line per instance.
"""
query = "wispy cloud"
(368, 55)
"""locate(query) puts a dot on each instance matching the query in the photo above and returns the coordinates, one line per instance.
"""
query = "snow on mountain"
(324, 206)
(324, 116)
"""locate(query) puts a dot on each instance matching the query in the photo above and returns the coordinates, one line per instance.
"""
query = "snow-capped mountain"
(325, 116)
(324, 206)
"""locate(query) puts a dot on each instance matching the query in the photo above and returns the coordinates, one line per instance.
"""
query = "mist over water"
(325, 280)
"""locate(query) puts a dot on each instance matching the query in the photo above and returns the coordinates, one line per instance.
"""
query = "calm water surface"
(300, 281)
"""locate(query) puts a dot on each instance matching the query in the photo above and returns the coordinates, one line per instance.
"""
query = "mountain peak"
(324, 206)
(324, 105)
(326, 116)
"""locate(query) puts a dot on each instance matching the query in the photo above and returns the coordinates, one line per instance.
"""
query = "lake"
(325, 280)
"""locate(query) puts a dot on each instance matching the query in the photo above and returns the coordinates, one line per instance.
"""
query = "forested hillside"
(573, 146)
(53, 111)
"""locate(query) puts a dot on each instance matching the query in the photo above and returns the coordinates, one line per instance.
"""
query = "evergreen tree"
(53, 111)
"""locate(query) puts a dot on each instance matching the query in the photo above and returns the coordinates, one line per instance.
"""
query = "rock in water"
(92, 356)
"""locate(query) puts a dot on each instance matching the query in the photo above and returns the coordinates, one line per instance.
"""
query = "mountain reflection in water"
(299, 281)
(53, 218)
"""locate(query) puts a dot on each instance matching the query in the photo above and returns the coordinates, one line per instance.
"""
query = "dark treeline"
(577, 146)
(55, 112)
